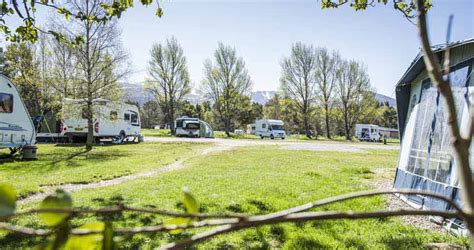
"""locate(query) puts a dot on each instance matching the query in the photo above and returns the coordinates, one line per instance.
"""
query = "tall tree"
(326, 74)
(169, 81)
(355, 95)
(298, 80)
(101, 61)
(225, 81)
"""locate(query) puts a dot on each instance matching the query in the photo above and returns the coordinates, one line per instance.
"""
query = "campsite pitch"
(237, 178)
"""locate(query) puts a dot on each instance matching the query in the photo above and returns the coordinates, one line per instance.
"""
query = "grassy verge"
(59, 164)
(262, 180)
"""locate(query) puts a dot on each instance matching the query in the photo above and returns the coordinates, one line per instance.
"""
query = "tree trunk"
(346, 126)
(328, 132)
(90, 126)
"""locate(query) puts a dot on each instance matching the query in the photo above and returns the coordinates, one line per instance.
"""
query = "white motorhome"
(16, 128)
(116, 121)
(367, 132)
(187, 127)
(270, 128)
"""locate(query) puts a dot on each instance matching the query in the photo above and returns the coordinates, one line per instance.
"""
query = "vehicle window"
(277, 127)
(113, 115)
(134, 118)
(126, 117)
(264, 125)
(372, 130)
(179, 123)
(192, 125)
(6, 103)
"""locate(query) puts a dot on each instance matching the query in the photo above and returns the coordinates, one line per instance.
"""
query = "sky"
(262, 32)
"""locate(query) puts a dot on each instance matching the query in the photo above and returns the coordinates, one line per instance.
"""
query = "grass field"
(261, 180)
(58, 164)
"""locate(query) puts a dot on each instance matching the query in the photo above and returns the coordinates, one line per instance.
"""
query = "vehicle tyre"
(283, 138)
(122, 137)
(272, 137)
(261, 137)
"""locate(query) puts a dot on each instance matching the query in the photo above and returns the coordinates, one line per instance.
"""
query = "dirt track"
(289, 145)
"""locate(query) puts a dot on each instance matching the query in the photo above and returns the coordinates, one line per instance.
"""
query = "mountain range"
(137, 93)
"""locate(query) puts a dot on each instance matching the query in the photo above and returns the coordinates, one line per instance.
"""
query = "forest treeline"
(322, 93)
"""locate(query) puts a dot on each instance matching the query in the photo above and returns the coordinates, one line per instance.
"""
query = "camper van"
(270, 128)
(187, 127)
(192, 127)
(16, 128)
(118, 122)
(368, 132)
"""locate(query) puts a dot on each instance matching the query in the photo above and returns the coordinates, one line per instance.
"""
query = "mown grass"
(58, 164)
(258, 181)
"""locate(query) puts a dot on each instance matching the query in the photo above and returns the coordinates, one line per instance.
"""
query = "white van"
(16, 128)
(367, 132)
(116, 121)
(270, 128)
(187, 126)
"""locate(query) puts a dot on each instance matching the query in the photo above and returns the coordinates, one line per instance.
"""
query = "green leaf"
(91, 241)
(179, 221)
(60, 199)
(7, 199)
(190, 203)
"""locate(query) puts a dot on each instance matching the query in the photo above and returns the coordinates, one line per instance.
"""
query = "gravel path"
(288, 145)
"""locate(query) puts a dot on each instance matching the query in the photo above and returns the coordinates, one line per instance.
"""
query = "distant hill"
(137, 93)
(386, 99)
(262, 97)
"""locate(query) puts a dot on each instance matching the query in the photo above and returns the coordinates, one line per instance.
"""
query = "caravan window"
(113, 115)
(6, 103)
(126, 117)
(264, 125)
(134, 118)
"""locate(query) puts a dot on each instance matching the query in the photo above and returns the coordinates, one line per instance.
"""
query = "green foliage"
(60, 199)
(407, 7)
(23, 12)
(7, 199)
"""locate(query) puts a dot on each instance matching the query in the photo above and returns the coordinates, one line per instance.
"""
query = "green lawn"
(261, 180)
(59, 164)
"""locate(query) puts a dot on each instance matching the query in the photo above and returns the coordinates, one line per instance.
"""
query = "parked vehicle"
(368, 132)
(250, 129)
(270, 128)
(192, 127)
(16, 127)
(187, 127)
(118, 122)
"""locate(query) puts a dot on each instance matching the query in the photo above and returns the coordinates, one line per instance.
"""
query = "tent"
(426, 161)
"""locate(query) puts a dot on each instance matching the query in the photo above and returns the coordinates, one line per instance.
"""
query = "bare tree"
(326, 75)
(354, 93)
(225, 82)
(100, 58)
(169, 74)
(298, 80)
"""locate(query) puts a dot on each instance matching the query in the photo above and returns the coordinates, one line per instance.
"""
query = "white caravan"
(367, 132)
(270, 128)
(16, 128)
(117, 121)
(187, 126)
